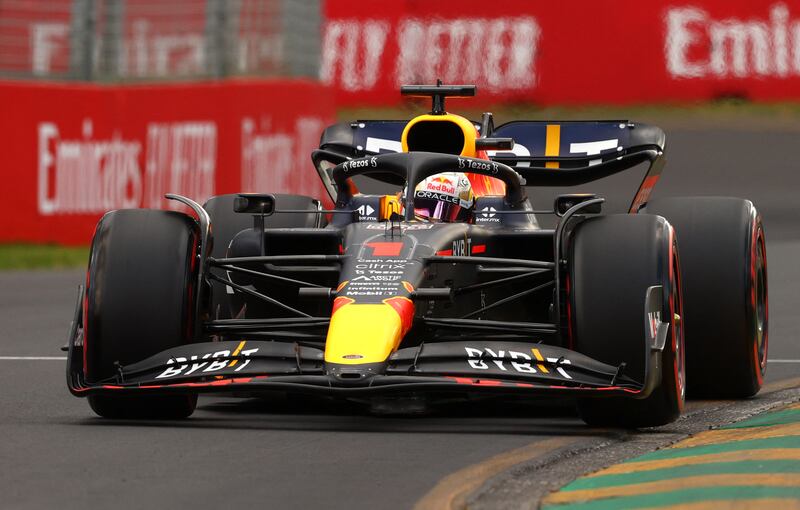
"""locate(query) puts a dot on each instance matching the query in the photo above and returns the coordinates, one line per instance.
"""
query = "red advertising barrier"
(73, 152)
(572, 51)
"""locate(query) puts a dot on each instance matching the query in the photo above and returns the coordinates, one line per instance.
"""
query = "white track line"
(783, 361)
(33, 358)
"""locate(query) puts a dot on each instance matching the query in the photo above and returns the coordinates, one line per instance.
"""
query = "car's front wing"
(467, 366)
(471, 366)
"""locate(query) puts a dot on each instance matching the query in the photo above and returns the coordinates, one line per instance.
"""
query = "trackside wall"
(72, 152)
(573, 51)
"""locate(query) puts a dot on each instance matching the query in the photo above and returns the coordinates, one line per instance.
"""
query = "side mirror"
(566, 202)
(494, 144)
(254, 203)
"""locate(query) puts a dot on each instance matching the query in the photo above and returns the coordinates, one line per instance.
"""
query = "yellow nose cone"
(363, 333)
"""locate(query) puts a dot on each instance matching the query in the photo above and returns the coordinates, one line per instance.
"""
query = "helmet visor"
(439, 207)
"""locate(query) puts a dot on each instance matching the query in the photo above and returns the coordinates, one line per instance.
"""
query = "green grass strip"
(768, 419)
(682, 497)
(42, 256)
(719, 468)
(732, 446)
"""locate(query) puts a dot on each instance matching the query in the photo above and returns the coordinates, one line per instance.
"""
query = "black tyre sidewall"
(136, 407)
(140, 289)
(613, 260)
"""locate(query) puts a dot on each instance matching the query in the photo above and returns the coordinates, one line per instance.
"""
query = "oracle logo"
(699, 46)
(442, 197)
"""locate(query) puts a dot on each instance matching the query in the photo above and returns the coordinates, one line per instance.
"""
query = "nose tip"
(351, 375)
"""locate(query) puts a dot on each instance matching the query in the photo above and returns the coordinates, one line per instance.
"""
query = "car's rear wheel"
(614, 260)
(140, 300)
(723, 251)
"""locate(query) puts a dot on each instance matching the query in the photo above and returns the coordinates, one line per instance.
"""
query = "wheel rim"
(761, 305)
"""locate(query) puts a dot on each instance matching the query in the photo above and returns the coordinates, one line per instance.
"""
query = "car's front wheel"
(614, 260)
(140, 300)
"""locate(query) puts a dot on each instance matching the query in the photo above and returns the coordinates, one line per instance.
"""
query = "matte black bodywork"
(487, 302)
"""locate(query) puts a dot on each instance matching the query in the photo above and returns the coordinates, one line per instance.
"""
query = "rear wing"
(571, 153)
(545, 153)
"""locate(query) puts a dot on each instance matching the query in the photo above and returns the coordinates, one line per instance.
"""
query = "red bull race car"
(442, 286)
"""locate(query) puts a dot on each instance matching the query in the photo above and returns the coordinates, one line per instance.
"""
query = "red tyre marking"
(754, 302)
(760, 363)
(85, 319)
(570, 334)
(190, 290)
(676, 298)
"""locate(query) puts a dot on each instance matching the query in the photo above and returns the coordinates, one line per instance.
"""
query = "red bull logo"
(442, 184)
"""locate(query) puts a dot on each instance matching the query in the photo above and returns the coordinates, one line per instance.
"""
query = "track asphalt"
(302, 454)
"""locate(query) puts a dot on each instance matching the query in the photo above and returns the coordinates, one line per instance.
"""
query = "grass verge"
(42, 256)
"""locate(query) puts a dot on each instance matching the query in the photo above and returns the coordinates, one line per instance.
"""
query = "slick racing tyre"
(140, 300)
(614, 260)
(225, 224)
(724, 262)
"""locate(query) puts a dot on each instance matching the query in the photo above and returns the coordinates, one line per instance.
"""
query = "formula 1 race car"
(444, 288)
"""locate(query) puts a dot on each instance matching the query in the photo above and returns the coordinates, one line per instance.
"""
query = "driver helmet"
(444, 197)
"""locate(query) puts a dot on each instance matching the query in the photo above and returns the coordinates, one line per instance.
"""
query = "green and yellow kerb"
(753, 464)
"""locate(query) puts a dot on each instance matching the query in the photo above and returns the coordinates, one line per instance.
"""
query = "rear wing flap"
(575, 152)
